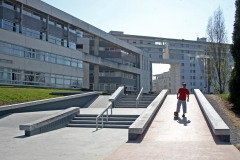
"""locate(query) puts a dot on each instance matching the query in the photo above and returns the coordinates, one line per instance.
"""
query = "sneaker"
(183, 115)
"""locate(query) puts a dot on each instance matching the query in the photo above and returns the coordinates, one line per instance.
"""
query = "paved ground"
(63, 144)
(186, 138)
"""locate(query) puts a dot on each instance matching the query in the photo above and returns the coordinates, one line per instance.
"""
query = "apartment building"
(187, 59)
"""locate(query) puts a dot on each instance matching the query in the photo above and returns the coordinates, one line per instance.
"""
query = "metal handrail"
(139, 97)
(101, 115)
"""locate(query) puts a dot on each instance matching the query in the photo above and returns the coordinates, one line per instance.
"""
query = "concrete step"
(94, 126)
(115, 115)
(82, 125)
(84, 118)
(114, 121)
(86, 115)
(100, 122)
(129, 106)
(133, 103)
(116, 126)
(109, 118)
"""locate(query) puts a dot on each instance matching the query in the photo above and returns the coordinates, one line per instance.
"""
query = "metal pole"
(97, 124)
(107, 115)
(102, 121)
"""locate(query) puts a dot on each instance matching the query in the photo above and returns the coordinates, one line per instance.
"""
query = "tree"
(234, 84)
(218, 67)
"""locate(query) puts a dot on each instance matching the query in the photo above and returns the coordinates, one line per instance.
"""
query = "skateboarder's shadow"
(183, 121)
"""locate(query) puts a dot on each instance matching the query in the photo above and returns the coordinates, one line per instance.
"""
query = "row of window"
(39, 16)
(157, 43)
(9, 5)
(22, 77)
(186, 45)
(193, 77)
(20, 51)
(116, 74)
(177, 51)
(113, 87)
(191, 64)
(10, 26)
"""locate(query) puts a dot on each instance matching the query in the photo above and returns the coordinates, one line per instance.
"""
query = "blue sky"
(180, 19)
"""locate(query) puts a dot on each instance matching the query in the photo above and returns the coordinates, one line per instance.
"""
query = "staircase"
(129, 101)
(114, 121)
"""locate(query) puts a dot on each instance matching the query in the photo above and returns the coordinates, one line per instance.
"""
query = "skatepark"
(154, 134)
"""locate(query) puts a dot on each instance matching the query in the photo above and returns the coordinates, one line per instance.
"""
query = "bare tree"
(218, 68)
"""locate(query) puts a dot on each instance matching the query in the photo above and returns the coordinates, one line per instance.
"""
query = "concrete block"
(58, 120)
(143, 121)
(218, 126)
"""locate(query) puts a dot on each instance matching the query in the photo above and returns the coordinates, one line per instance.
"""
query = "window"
(67, 61)
(72, 30)
(79, 33)
(39, 55)
(158, 43)
(8, 5)
(79, 46)
(74, 63)
(72, 45)
(36, 16)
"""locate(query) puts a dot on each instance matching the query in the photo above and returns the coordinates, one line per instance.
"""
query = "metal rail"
(139, 97)
(102, 114)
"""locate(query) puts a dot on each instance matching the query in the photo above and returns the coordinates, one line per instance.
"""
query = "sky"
(179, 19)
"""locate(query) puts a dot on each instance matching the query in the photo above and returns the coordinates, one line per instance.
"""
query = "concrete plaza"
(166, 138)
(186, 138)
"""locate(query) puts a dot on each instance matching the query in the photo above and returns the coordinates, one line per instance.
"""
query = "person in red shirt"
(182, 96)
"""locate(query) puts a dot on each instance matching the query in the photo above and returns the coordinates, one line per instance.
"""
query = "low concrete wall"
(218, 126)
(143, 121)
(116, 96)
(55, 121)
(79, 100)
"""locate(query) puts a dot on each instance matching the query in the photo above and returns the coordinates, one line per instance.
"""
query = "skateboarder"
(182, 95)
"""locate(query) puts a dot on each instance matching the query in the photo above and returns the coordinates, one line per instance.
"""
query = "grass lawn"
(224, 96)
(12, 95)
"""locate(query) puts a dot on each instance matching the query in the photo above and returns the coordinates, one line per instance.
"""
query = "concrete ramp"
(185, 138)
(100, 102)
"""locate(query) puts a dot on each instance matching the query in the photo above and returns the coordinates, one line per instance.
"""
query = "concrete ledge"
(58, 120)
(143, 121)
(78, 100)
(218, 126)
(116, 96)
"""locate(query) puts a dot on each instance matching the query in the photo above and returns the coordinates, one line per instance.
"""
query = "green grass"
(12, 95)
(224, 96)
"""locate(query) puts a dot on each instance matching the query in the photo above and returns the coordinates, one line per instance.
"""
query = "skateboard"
(175, 115)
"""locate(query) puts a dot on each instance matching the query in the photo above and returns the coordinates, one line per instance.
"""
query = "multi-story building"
(41, 45)
(161, 81)
(187, 59)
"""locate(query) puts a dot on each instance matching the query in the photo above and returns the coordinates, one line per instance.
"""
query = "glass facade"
(32, 78)
(59, 33)
(15, 50)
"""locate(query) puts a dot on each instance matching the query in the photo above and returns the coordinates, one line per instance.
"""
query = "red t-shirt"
(183, 92)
